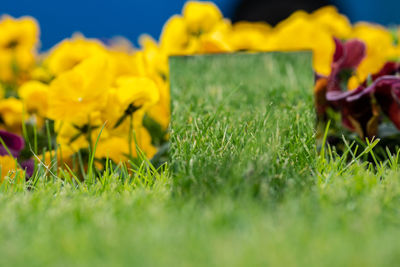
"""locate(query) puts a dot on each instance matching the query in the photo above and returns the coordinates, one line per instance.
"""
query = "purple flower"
(28, 166)
(360, 109)
(346, 59)
(329, 89)
(14, 143)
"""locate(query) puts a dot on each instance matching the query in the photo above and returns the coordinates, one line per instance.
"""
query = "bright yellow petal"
(201, 17)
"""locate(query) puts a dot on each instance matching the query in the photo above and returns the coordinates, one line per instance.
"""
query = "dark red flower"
(14, 143)
(346, 59)
(28, 166)
(360, 108)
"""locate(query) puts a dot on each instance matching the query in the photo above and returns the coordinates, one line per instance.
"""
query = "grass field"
(245, 186)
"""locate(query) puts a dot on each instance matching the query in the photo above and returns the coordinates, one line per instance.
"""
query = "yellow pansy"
(334, 22)
(201, 17)
(70, 136)
(69, 53)
(216, 41)
(299, 33)
(174, 38)
(112, 109)
(7, 164)
(39, 73)
(114, 141)
(11, 114)
(151, 60)
(116, 118)
(73, 137)
(132, 97)
(6, 71)
(125, 104)
(18, 33)
(18, 42)
(198, 30)
(34, 96)
(74, 94)
(161, 111)
(161, 114)
(249, 36)
(154, 64)
(380, 48)
(116, 148)
(122, 63)
(141, 92)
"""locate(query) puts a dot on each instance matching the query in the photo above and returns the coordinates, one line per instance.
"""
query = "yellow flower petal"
(201, 17)
(76, 93)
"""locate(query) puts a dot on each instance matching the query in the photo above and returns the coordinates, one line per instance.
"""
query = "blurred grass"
(245, 186)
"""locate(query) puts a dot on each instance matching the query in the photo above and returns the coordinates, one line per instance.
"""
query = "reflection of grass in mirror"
(242, 122)
(247, 186)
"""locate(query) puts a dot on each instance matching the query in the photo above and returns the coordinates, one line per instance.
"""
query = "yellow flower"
(11, 114)
(132, 97)
(18, 33)
(76, 93)
(160, 112)
(298, 32)
(39, 73)
(200, 30)
(380, 48)
(71, 52)
(114, 141)
(6, 71)
(216, 41)
(116, 148)
(174, 38)
(34, 94)
(201, 17)
(151, 61)
(73, 137)
(141, 92)
(334, 22)
(69, 136)
(249, 36)
(112, 109)
(7, 164)
(122, 64)
(19, 38)
(116, 117)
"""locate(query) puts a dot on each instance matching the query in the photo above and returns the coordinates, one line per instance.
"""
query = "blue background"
(130, 18)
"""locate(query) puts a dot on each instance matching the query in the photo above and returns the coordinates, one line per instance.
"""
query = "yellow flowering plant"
(84, 97)
(18, 44)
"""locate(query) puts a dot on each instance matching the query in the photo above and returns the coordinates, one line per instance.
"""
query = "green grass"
(245, 186)
(242, 123)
